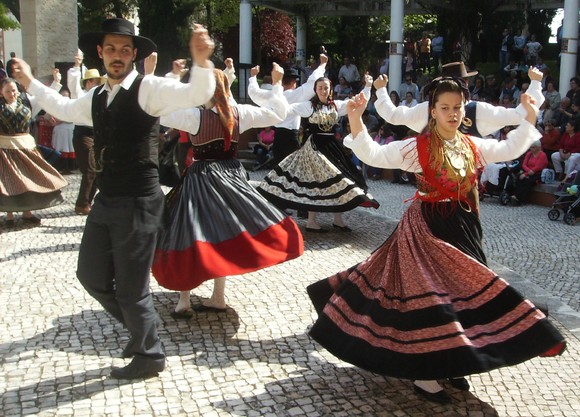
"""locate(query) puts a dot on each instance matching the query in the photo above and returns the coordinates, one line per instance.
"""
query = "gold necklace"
(455, 152)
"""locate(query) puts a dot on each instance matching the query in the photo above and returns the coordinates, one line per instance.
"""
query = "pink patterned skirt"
(427, 307)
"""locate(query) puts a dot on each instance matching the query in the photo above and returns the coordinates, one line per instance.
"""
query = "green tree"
(5, 22)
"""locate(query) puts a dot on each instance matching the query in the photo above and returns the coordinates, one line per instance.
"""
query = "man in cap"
(118, 243)
(481, 119)
(286, 132)
(81, 80)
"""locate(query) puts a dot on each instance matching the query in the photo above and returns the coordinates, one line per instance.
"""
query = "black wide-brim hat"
(456, 69)
(88, 41)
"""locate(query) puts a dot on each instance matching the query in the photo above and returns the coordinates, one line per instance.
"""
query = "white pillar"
(569, 55)
(49, 34)
(301, 43)
(396, 45)
(245, 47)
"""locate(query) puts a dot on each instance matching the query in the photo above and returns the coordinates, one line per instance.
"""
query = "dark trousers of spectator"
(83, 144)
(115, 258)
(524, 186)
(285, 142)
(425, 61)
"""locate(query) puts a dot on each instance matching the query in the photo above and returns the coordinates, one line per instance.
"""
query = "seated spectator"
(553, 100)
(510, 88)
(263, 149)
(567, 157)
(409, 100)
(562, 114)
(342, 90)
(535, 161)
(491, 90)
(507, 101)
(476, 89)
(370, 122)
(395, 98)
(409, 87)
(550, 140)
(384, 136)
(572, 93)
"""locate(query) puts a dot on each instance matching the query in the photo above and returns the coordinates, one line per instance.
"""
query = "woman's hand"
(532, 111)
(355, 108)
(201, 46)
(381, 81)
(150, 63)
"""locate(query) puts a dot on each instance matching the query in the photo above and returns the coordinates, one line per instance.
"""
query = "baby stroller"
(567, 200)
(506, 184)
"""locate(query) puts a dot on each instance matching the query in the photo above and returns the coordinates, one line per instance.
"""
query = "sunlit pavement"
(57, 345)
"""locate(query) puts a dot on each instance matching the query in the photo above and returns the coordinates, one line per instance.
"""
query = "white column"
(396, 45)
(301, 43)
(245, 47)
(569, 55)
(49, 34)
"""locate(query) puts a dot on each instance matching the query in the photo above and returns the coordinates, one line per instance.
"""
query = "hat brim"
(471, 74)
(88, 44)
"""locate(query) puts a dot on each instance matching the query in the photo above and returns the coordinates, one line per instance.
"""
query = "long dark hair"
(316, 101)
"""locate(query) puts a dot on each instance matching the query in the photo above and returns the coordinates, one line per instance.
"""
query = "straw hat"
(91, 74)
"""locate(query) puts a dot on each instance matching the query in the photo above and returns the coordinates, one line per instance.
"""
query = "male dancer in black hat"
(118, 243)
(481, 118)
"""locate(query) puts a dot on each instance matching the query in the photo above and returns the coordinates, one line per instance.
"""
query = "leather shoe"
(440, 397)
(459, 383)
(83, 211)
(140, 367)
(342, 228)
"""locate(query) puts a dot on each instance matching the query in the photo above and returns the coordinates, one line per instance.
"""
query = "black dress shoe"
(314, 230)
(440, 397)
(342, 228)
(459, 383)
(141, 367)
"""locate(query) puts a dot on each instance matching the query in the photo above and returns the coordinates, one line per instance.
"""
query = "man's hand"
(255, 71)
(528, 104)
(535, 74)
(368, 80)
(150, 63)
(78, 59)
(323, 59)
(201, 46)
(381, 81)
(22, 73)
(56, 75)
(277, 74)
(178, 66)
(229, 63)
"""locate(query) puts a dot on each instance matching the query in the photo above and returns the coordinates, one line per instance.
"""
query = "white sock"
(429, 386)
(183, 303)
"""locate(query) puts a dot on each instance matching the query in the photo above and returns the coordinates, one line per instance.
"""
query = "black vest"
(126, 144)
(469, 125)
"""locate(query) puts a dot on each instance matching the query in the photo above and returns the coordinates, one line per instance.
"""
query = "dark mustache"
(116, 62)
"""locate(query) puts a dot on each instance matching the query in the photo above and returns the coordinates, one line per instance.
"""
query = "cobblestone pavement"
(57, 345)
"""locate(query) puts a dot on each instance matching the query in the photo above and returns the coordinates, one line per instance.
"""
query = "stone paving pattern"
(57, 344)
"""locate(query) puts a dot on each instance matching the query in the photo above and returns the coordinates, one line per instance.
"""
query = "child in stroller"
(499, 180)
(567, 200)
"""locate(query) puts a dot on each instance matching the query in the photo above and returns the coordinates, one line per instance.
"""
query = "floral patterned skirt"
(317, 177)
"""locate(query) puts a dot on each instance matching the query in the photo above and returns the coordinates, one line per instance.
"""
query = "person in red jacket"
(550, 139)
(534, 162)
(569, 152)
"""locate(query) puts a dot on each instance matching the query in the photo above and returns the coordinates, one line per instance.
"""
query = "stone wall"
(49, 34)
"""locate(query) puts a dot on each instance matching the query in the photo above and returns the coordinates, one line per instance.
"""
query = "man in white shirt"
(286, 135)
(481, 118)
(116, 252)
(350, 72)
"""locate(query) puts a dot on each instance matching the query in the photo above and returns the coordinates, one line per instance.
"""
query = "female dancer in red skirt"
(424, 305)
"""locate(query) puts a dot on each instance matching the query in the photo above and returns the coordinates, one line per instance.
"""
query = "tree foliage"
(275, 35)
(6, 23)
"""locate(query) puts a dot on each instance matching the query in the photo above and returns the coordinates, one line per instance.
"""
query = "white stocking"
(338, 219)
(311, 224)
(183, 303)
(429, 386)
(218, 299)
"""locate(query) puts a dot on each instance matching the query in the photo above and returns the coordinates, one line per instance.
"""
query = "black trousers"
(285, 142)
(84, 149)
(114, 264)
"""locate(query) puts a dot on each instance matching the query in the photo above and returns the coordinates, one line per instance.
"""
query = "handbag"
(169, 174)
